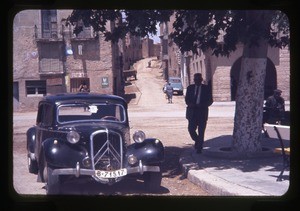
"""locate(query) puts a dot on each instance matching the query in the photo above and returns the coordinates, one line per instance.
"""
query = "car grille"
(106, 150)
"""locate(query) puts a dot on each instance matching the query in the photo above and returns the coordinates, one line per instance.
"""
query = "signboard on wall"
(78, 75)
(104, 82)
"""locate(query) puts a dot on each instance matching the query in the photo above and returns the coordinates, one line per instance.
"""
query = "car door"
(44, 125)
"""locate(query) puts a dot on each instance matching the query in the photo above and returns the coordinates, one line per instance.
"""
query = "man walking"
(198, 98)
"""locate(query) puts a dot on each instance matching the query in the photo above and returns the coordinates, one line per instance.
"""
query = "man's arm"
(188, 99)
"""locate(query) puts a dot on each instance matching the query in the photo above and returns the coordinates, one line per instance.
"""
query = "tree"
(219, 31)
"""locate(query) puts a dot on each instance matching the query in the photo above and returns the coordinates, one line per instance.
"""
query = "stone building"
(170, 54)
(132, 51)
(223, 71)
(149, 49)
(48, 58)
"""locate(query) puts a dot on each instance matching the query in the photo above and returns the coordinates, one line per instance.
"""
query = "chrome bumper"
(80, 171)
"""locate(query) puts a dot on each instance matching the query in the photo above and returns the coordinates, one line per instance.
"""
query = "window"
(201, 66)
(34, 88)
(49, 24)
(79, 49)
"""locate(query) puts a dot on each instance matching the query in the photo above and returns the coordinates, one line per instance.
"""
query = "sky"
(155, 38)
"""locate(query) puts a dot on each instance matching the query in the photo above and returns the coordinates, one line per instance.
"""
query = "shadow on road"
(171, 167)
(129, 97)
(126, 187)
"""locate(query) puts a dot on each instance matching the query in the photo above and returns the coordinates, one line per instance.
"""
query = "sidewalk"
(220, 175)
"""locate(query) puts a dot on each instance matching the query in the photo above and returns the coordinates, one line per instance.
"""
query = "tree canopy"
(219, 30)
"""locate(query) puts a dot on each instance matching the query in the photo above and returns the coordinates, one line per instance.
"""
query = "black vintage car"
(87, 135)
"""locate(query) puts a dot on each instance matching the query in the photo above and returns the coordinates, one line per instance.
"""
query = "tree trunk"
(250, 92)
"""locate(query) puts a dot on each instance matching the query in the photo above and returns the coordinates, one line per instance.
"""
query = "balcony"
(51, 66)
(85, 34)
(49, 35)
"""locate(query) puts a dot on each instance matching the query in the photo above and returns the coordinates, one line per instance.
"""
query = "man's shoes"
(198, 151)
(196, 145)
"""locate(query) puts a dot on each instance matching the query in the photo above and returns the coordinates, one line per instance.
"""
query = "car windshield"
(176, 85)
(175, 80)
(88, 112)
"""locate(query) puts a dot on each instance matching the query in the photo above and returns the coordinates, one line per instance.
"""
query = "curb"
(217, 186)
(214, 184)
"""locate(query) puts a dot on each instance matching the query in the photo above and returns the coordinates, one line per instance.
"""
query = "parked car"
(129, 73)
(87, 135)
(176, 83)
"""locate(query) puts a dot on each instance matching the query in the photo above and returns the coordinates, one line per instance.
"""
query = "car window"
(48, 117)
(87, 112)
(44, 117)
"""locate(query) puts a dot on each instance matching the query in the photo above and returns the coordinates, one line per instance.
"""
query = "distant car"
(176, 83)
(87, 135)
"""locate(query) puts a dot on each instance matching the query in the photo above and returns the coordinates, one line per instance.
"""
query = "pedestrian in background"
(83, 87)
(169, 92)
(198, 98)
(274, 108)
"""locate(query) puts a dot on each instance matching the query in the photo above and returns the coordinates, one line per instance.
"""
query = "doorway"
(270, 80)
(75, 83)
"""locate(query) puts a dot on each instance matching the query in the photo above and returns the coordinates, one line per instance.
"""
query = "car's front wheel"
(53, 186)
(152, 181)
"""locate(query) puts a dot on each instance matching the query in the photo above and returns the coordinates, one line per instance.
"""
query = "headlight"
(139, 136)
(132, 159)
(73, 137)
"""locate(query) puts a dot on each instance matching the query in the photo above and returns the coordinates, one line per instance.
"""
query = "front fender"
(150, 151)
(30, 134)
(62, 154)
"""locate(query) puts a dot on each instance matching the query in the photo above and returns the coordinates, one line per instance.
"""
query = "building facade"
(170, 54)
(48, 58)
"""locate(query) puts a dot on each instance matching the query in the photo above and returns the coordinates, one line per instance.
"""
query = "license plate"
(111, 174)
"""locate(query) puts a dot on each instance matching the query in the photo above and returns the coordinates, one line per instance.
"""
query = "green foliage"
(219, 30)
(280, 30)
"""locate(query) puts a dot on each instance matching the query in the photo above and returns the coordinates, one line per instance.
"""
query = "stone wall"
(283, 73)
(222, 69)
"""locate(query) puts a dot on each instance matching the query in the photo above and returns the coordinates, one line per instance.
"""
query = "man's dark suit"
(197, 114)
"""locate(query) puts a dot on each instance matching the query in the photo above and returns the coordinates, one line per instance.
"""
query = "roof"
(83, 96)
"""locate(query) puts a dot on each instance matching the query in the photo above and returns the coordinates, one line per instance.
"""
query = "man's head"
(198, 78)
(277, 92)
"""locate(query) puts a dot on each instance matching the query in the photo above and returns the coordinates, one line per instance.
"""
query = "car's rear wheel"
(152, 181)
(32, 166)
(53, 186)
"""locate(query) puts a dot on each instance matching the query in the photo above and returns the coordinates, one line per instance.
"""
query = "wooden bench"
(281, 132)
